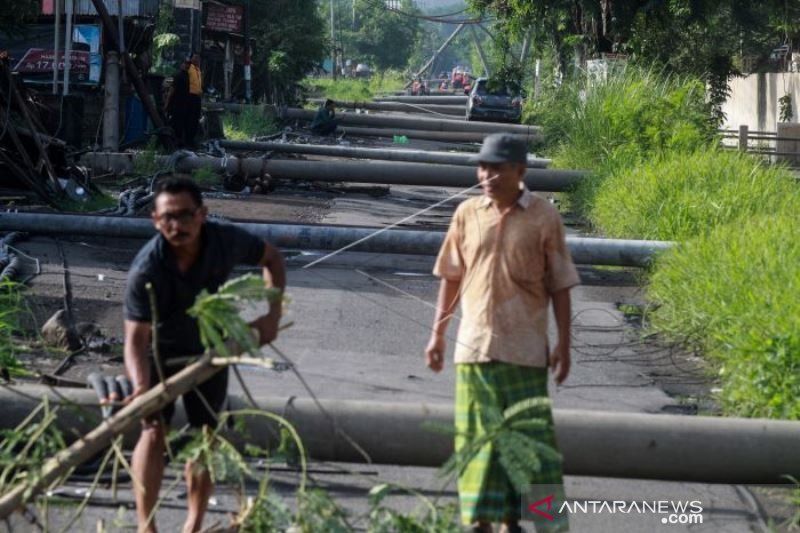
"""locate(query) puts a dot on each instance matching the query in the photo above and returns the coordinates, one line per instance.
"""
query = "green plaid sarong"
(484, 491)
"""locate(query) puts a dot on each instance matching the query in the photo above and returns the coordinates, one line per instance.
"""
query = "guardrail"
(767, 143)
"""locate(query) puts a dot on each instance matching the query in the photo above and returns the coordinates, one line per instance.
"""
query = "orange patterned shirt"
(508, 265)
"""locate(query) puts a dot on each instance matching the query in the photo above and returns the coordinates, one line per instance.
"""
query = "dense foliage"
(371, 32)
(290, 42)
(704, 38)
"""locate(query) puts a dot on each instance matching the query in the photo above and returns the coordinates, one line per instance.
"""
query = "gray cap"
(502, 148)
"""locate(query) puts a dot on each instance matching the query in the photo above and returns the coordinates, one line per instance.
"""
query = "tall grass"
(608, 124)
(677, 196)
(250, 122)
(730, 289)
(733, 293)
(11, 307)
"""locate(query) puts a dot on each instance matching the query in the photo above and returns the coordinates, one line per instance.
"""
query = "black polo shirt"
(223, 247)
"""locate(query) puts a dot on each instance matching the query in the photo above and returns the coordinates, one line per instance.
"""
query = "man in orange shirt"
(504, 258)
(195, 103)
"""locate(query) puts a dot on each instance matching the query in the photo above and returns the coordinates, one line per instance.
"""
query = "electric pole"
(248, 76)
(333, 43)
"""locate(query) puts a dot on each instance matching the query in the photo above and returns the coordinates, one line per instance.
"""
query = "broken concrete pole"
(623, 445)
(382, 154)
(379, 172)
(616, 252)
(423, 135)
(403, 107)
(442, 100)
(402, 122)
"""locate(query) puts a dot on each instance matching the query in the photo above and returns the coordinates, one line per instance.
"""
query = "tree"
(13, 13)
(382, 36)
(290, 41)
(701, 37)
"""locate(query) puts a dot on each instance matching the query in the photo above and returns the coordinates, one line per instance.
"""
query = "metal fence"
(767, 143)
(130, 8)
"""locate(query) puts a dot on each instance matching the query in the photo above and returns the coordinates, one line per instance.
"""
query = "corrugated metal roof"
(130, 8)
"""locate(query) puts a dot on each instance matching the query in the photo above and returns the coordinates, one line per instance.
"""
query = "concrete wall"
(754, 100)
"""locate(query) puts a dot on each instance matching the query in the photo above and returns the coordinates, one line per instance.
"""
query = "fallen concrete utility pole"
(417, 123)
(425, 100)
(384, 154)
(587, 251)
(379, 172)
(424, 135)
(594, 443)
(405, 107)
(100, 437)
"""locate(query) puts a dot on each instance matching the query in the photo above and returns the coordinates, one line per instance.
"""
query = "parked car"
(496, 105)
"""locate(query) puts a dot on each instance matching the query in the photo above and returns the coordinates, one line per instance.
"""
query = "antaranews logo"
(549, 509)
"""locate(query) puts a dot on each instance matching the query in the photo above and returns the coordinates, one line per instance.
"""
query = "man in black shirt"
(188, 255)
(178, 103)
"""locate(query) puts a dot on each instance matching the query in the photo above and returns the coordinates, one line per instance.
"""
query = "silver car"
(503, 105)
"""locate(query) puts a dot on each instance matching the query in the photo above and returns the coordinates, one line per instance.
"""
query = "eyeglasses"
(181, 217)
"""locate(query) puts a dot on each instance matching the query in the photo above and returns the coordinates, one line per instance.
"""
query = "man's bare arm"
(445, 307)
(274, 267)
(137, 341)
(274, 273)
(562, 308)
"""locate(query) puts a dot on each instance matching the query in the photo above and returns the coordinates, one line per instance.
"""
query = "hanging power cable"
(442, 19)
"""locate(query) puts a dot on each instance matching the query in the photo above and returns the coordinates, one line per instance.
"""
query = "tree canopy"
(290, 41)
(13, 13)
(369, 31)
(709, 38)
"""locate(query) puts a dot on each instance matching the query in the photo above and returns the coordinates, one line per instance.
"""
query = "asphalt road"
(360, 324)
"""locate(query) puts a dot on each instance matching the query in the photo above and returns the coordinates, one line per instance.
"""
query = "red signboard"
(40, 61)
(224, 18)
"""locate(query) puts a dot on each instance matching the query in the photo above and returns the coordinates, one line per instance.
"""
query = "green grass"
(354, 90)
(678, 196)
(11, 307)
(146, 164)
(729, 290)
(205, 177)
(733, 293)
(340, 90)
(607, 125)
(250, 122)
(95, 202)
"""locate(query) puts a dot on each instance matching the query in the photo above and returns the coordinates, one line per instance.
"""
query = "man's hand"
(434, 353)
(138, 390)
(267, 327)
(560, 362)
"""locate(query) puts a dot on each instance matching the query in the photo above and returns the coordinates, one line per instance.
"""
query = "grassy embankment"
(730, 288)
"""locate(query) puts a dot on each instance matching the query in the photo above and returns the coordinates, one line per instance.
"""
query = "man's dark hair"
(329, 102)
(176, 185)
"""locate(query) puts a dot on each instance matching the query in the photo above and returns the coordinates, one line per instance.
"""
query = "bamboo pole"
(96, 440)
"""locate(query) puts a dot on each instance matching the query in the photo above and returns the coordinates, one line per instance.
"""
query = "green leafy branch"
(218, 316)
